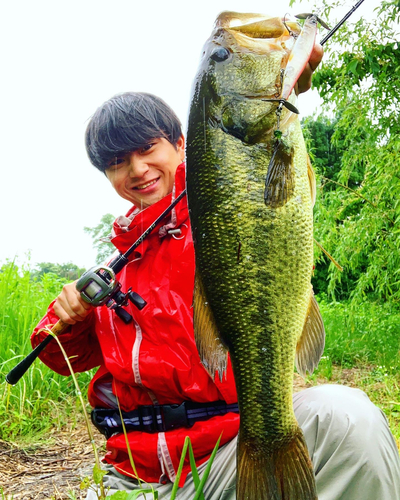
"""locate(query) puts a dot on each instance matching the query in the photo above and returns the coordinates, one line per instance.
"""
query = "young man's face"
(147, 175)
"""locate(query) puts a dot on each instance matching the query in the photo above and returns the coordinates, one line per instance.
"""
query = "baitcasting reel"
(98, 286)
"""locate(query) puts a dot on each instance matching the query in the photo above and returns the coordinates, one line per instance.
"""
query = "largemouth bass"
(251, 192)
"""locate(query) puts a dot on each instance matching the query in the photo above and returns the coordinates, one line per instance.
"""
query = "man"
(151, 367)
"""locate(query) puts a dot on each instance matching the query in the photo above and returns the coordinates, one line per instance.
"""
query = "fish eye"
(220, 54)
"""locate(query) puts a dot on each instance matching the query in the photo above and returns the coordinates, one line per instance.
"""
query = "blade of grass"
(206, 473)
(127, 443)
(180, 467)
(79, 394)
(135, 494)
(195, 475)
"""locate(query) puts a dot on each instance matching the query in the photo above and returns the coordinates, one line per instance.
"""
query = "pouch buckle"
(174, 416)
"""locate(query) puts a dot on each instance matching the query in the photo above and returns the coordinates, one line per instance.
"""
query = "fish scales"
(253, 259)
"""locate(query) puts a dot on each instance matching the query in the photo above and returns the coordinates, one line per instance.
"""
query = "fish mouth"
(255, 26)
(254, 33)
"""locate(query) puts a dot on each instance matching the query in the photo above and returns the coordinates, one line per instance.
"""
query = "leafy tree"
(326, 160)
(358, 221)
(101, 238)
(68, 271)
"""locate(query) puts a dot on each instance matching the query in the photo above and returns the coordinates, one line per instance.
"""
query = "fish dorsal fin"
(212, 351)
(279, 184)
(312, 181)
(311, 344)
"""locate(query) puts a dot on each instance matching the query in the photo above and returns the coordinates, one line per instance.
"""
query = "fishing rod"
(98, 286)
(339, 24)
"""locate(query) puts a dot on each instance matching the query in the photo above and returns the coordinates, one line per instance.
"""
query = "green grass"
(41, 399)
(367, 334)
(363, 350)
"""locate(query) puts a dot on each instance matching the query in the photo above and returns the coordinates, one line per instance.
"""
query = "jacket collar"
(127, 229)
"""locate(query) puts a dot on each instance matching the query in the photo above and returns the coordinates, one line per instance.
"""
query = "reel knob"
(136, 299)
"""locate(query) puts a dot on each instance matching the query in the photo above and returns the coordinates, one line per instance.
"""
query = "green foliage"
(101, 238)
(358, 209)
(199, 484)
(22, 303)
(69, 271)
(325, 156)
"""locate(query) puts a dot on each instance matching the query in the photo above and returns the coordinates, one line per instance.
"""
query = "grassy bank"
(363, 350)
(367, 334)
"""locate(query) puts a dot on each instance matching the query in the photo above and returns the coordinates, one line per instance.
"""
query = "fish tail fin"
(285, 473)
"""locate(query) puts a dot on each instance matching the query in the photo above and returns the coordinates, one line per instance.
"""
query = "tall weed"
(41, 398)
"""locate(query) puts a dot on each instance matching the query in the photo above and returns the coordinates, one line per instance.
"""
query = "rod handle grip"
(18, 371)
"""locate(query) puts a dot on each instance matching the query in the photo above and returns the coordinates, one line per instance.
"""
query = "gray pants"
(352, 449)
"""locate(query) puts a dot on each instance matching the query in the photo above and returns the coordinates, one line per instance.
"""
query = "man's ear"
(180, 146)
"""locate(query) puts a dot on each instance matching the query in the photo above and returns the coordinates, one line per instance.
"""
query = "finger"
(69, 305)
(316, 56)
(69, 315)
(304, 82)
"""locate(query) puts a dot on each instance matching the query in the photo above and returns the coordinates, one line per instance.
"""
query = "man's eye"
(146, 148)
(116, 161)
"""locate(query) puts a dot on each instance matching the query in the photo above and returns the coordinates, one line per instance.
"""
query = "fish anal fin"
(279, 183)
(213, 353)
(285, 472)
(312, 181)
(311, 343)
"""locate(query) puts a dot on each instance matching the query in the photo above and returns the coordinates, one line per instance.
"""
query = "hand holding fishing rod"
(98, 286)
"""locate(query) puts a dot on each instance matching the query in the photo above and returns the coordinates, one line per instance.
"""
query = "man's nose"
(137, 165)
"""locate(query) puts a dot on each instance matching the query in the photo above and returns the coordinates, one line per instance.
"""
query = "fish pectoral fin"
(213, 353)
(279, 183)
(311, 344)
(312, 181)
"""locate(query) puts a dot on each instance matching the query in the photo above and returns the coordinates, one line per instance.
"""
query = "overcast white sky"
(60, 60)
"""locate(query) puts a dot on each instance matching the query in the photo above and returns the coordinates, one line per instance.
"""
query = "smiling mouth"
(144, 186)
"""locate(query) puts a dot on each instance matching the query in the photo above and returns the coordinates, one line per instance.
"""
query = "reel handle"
(18, 371)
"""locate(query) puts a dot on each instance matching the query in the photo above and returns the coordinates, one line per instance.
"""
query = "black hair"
(127, 122)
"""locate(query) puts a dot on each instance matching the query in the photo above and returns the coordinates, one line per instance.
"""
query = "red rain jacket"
(154, 359)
